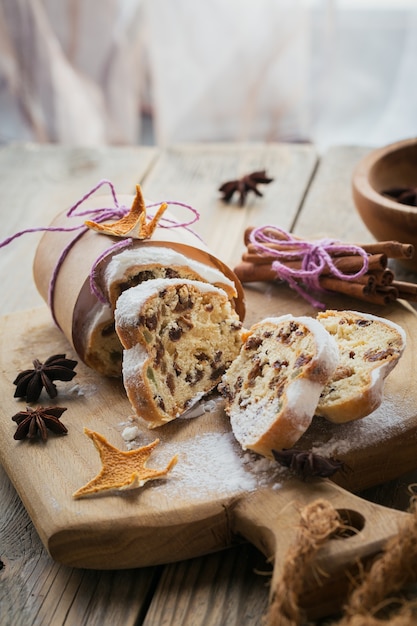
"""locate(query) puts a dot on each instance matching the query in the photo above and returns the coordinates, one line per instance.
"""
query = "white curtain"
(234, 70)
(70, 71)
(363, 88)
(87, 72)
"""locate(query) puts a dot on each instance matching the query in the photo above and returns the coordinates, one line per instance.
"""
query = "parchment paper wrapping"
(85, 321)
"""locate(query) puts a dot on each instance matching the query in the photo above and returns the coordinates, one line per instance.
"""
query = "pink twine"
(96, 290)
(315, 258)
(100, 215)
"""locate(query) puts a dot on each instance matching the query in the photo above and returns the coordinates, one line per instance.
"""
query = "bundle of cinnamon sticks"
(377, 285)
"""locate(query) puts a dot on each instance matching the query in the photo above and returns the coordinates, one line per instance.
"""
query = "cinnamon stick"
(356, 290)
(392, 249)
(377, 285)
(249, 272)
(405, 287)
(391, 293)
(348, 287)
(345, 264)
(368, 280)
(387, 277)
(406, 291)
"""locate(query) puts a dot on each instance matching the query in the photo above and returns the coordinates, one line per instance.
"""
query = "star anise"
(404, 195)
(34, 422)
(30, 382)
(305, 463)
(244, 185)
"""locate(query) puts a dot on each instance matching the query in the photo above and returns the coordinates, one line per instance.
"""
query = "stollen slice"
(369, 348)
(179, 337)
(272, 388)
(135, 265)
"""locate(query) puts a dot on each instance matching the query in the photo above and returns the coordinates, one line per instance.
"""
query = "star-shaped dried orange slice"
(121, 470)
(134, 223)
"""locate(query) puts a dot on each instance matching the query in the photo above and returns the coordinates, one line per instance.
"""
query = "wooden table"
(311, 196)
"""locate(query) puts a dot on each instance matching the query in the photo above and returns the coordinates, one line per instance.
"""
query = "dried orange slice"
(134, 224)
(121, 470)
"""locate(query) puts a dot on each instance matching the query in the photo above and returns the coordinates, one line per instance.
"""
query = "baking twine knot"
(115, 212)
(315, 257)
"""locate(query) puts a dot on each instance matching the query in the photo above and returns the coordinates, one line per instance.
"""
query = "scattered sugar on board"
(209, 464)
(130, 433)
(332, 448)
(381, 425)
(85, 390)
(212, 464)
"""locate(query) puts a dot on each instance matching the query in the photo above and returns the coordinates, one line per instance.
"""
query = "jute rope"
(318, 521)
(389, 574)
(369, 601)
(406, 615)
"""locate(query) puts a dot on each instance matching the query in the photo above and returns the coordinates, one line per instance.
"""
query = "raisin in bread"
(369, 348)
(272, 388)
(133, 266)
(179, 337)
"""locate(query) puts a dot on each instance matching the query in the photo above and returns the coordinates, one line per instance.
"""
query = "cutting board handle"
(270, 519)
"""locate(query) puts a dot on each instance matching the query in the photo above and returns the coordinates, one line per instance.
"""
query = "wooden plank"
(192, 174)
(224, 588)
(35, 589)
(329, 210)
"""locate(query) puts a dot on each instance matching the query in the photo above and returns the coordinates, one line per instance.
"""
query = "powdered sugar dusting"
(210, 464)
(130, 433)
(332, 448)
(86, 390)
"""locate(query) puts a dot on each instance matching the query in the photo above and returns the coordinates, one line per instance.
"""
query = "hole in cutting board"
(353, 521)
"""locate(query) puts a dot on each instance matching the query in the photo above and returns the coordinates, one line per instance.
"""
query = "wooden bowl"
(385, 168)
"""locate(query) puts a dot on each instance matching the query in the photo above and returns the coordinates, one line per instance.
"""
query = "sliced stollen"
(179, 337)
(272, 388)
(369, 348)
(130, 268)
(135, 265)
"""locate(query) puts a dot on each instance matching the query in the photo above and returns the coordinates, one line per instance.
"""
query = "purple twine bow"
(315, 258)
(100, 215)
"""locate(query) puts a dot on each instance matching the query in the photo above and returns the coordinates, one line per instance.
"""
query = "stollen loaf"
(70, 266)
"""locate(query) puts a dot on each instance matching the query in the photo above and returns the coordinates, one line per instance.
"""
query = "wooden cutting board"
(216, 492)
